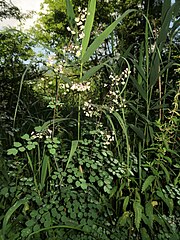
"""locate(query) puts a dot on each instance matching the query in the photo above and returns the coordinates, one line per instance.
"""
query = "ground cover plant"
(100, 159)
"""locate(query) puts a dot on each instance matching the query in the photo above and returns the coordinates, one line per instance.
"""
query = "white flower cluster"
(114, 95)
(80, 22)
(109, 138)
(88, 108)
(35, 135)
(116, 80)
(50, 60)
(59, 66)
(80, 87)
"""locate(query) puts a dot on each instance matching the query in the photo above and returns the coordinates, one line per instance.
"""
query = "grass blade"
(20, 89)
(92, 71)
(45, 165)
(9, 213)
(99, 40)
(88, 25)
(70, 13)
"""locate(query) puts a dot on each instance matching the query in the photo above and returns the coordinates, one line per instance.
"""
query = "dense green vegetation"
(89, 137)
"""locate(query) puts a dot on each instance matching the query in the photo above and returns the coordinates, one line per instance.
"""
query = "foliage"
(105, 165)
(9, 10)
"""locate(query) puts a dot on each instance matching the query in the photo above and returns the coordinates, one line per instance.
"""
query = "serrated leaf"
(30, 223)
(144, 234)
(149, 213)
(125, 203)
(147, 182)
(123, 219)
(138, 213)
(84, 185)
(100, 183)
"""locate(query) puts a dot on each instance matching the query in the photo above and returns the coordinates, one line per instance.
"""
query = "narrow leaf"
(100, 39)
(44, 170)
(92, 71)
(125, 203)
(88, 25)
(147, 182)
(70, 12)
(73, 149)
(138, 131)
(166, 200)
(138, 213)
(10, 212)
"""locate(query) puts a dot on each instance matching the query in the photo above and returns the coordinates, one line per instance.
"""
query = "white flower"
(81, 36)
(78, 53)
(68, 28)
(79, 23)
(77, 19)
(73, 32)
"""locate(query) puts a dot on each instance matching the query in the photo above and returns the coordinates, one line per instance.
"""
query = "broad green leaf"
(30, 223)
(25, 136)
(140, 70)
(17, 144)
(52, 151)
(138, 213)
(140, 64)
(100, 39)
(12, 151)
(38, 129)
(147, 182)
(30, 147)
(22, 149)
(88, 25)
